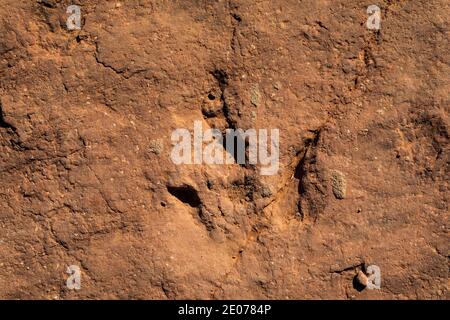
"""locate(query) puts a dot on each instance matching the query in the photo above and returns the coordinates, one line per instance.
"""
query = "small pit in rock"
(186, 194)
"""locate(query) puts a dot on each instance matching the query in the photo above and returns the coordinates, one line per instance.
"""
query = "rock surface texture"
(86, 176)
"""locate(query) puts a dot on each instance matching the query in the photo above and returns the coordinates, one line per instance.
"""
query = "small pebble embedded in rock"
(255, 96)
(338, 184)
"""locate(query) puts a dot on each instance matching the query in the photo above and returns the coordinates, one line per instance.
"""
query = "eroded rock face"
(85, 142)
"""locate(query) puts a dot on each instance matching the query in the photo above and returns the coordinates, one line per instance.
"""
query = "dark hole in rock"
(237, 17)
(186, 194)
(357, 285)
(3, 123)
(48, 3)
(238, 148)
(209, 113)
